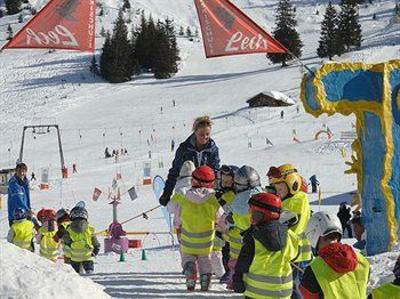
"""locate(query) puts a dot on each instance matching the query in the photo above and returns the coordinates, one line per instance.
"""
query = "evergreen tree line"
(340, 31)
(151, 47)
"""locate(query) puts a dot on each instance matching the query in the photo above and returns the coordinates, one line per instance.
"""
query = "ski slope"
(38, 87)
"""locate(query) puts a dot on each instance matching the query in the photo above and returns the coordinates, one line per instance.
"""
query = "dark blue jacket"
(187, 151)
(313, 180)
(18, 195)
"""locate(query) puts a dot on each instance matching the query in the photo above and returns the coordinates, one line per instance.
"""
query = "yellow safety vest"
(242, 223)
(198, 224)
(386, 291)
(270, 273)
(82, 245)
(218, 244)
(300, 205)
(228, 197)
(66, 248)
(342, 285)
(235, 242)
(23, 233)
(48, 247)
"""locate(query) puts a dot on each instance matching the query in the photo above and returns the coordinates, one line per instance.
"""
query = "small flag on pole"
(96, 194)
(132, 193)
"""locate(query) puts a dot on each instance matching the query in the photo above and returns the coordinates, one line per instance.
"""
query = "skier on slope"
(198, 209)
(338, 271)
(198, 148)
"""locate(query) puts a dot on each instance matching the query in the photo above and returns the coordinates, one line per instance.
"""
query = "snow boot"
(190, 272)
(205, 282)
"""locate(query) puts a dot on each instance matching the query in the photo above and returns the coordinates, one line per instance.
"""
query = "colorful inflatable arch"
(328, 134)
(372, 93)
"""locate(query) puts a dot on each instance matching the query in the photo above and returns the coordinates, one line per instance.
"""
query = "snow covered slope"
(40, 87)
(25, 275)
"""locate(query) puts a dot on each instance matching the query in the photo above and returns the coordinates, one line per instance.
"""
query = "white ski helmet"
(322, 224)
(246, 178)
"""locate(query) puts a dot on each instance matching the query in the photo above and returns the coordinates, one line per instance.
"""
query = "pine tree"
(349, 26)
(188, 32)
(106, 57)
(285, 32)
(10, 33)
(165, 56)
(20, 18)
(119, 67)
(146, 43)
(101, 12)
(329, 43)
(13, 6)
(126, 5)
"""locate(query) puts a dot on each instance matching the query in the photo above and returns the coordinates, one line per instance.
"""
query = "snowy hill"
(40, 87)
(26, 275)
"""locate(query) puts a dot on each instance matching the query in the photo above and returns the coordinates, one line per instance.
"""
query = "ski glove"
(164, 199)
(238, 285)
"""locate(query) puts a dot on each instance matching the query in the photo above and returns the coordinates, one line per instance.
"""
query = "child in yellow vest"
(263, 269)
(389, 290)
(46, 233)
(246, 183)
(63, 221)
(80, 237)
(288, 183)
(198, 207)
(338, 271)
(22, 230)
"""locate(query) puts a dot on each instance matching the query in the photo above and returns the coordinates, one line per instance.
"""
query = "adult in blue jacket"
(18, 192)
(198, 148)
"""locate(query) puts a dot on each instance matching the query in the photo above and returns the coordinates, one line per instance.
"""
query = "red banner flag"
(61, 24)
(226, 30)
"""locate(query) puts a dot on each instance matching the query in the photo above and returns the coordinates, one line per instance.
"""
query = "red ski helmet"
(203, 176)
(267, 205)
(46, 214)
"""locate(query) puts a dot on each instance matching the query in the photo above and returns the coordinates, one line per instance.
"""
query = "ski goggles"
(276, 173)
(226, 170)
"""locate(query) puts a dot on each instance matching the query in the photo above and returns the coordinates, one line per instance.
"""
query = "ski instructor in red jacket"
(198, 148)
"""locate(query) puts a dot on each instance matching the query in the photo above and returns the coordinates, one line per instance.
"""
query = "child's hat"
(203, 176)
(187, 169)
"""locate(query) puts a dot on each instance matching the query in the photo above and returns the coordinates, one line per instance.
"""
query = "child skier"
(22, 231)
(183, 184)
(46, 233)
(225, 195)
(389, 290)
(263, 269)
(337, 271)
(63, 221)
(80, 237)
(198, 209)
(287, 182)
(246, 183)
